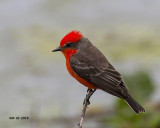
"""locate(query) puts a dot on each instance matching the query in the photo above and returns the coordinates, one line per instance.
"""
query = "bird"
(91, 68)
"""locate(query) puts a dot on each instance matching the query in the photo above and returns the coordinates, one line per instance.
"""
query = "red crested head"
(73, 37)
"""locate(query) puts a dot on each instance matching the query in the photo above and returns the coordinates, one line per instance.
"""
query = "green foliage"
(141, 87)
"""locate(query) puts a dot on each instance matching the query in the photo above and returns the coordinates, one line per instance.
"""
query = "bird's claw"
(86, 101)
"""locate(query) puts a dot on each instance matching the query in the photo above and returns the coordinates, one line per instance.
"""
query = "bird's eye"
(68, 44)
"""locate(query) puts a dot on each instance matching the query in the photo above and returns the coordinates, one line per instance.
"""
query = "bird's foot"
(89, 94)
(86, 101)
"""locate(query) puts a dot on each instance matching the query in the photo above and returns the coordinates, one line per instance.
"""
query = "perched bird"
(92, 69)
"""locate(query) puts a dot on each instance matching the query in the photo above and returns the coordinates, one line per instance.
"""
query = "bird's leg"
(88, 95)
(85, 104)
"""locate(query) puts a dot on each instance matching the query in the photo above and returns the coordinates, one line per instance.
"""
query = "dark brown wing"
(92, 65)
(111, 82)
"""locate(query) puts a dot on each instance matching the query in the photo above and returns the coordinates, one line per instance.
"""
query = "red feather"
(73, 36)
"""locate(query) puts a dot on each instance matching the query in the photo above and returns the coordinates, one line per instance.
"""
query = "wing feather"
(98, 71)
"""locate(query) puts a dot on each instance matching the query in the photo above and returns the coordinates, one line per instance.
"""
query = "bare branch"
(85, 104)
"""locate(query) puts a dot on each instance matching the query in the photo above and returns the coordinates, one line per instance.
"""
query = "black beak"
(57, 49)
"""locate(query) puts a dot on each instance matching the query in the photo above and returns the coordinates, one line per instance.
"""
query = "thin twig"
(85, 104)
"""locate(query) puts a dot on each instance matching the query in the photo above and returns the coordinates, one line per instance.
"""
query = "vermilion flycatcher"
(91, 68)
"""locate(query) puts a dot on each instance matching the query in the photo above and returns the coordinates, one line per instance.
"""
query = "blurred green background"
(34, 82)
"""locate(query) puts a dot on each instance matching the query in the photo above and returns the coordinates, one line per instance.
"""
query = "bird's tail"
(134, 105)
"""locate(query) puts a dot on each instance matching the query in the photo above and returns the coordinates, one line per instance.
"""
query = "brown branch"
(85, 104)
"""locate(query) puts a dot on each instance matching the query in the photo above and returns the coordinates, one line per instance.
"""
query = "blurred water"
(20, 13)
(34, 81)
